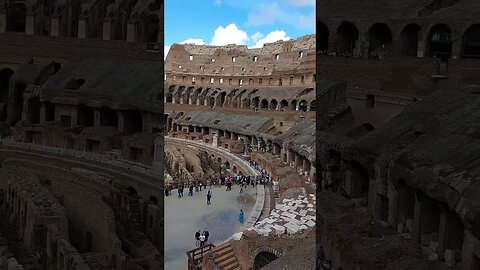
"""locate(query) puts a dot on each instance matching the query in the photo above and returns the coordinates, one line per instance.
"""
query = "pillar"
(422, 48)
(417, 217)
(74, 113)
(131, 32)
(55, 27)
(30, 25)
(107, 28)
(457, 46)
(442, 234)
(121, 122)
(82, 29)
(96, 117)
(42, 113)
(215, 140)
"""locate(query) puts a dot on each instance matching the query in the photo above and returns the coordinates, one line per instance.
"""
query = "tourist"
(190, 191)
(207, 234)
(241, 217)
(241, 188)
(197, 238)
(202, 240)
(179, 192)
(166, 191)
(209, 196)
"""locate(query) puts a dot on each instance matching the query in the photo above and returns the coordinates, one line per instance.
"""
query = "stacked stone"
(292, 216)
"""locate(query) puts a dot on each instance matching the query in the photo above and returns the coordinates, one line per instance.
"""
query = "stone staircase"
(225, 258)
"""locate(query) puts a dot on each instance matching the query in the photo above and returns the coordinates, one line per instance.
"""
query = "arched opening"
(380, 37)
(263, 259)
(5, 75)
(347, 35)
(283, 104)
(34, 110)
(264, 104)
(18, 102)
(303, 106)
(227, 165)
(132, 122)
(313, 105)
(471, 42)
(409, 40)
(49, 112)
(273, 105)
(85, 116)
(108, 117)
(357, 185)
(222, 98)
(154, 200)
(169, 98)
(132, 191)
(293, 105)
(440, 42)
(322, 36)
(255, 102)
(151, 28)
(16, 17)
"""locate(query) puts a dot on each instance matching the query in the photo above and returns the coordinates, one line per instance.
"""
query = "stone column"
(55, 27)
(82, 28)
(74, 113)
(422, 48)
(107, 28)
(121, 122)
(96, 117)
(442, 234)
(30, 25)
(42, 112)
(215, 140)
(131, 32)
(3, 23)
(457, 46)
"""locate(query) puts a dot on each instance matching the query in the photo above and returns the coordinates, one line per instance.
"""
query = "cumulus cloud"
(255, 37)
(230, 34)
(302, 3)
(196, 41)
(272, 37)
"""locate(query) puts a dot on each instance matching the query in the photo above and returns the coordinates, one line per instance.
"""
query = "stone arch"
(256, 102)
(264, 104)
(440, 41)
(357, 185)
(234, 169)
(303, 105)
(5, 75)
(409, 40)
(313, 105)
(293, 105)
(379, 35)
(283, 104)
(223, 94)
(154, 199)
(273, 105)
(471, 42)
(246, 103)
(152, 27)
(132, 191)
(322, 36)
(347, 35)
(108, 117)
(16, 17)
(264, 249)
(227, 164)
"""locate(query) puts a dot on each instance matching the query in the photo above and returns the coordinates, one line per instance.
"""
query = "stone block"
(433, 245)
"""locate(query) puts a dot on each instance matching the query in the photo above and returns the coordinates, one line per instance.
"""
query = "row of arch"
(148, 28)
(235, 99)
(439, 39)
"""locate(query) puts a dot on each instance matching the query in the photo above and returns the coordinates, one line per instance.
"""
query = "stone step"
(228, 263)
(235, 266)
(224, 257)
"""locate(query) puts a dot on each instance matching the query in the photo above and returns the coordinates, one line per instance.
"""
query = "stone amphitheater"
(81, 115)
(401, 192)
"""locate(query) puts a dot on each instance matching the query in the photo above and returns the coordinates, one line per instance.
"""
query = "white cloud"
(303, 3)
(255, 37)
(230, 34)
(218, 2)
(196, 41)
(166, 49)
(272, 37)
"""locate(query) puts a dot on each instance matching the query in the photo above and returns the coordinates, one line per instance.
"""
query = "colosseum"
(81, 123)
(401, 191)
(237, 111)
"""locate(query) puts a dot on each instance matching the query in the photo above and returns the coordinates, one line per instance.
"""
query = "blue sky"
(249, 22)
